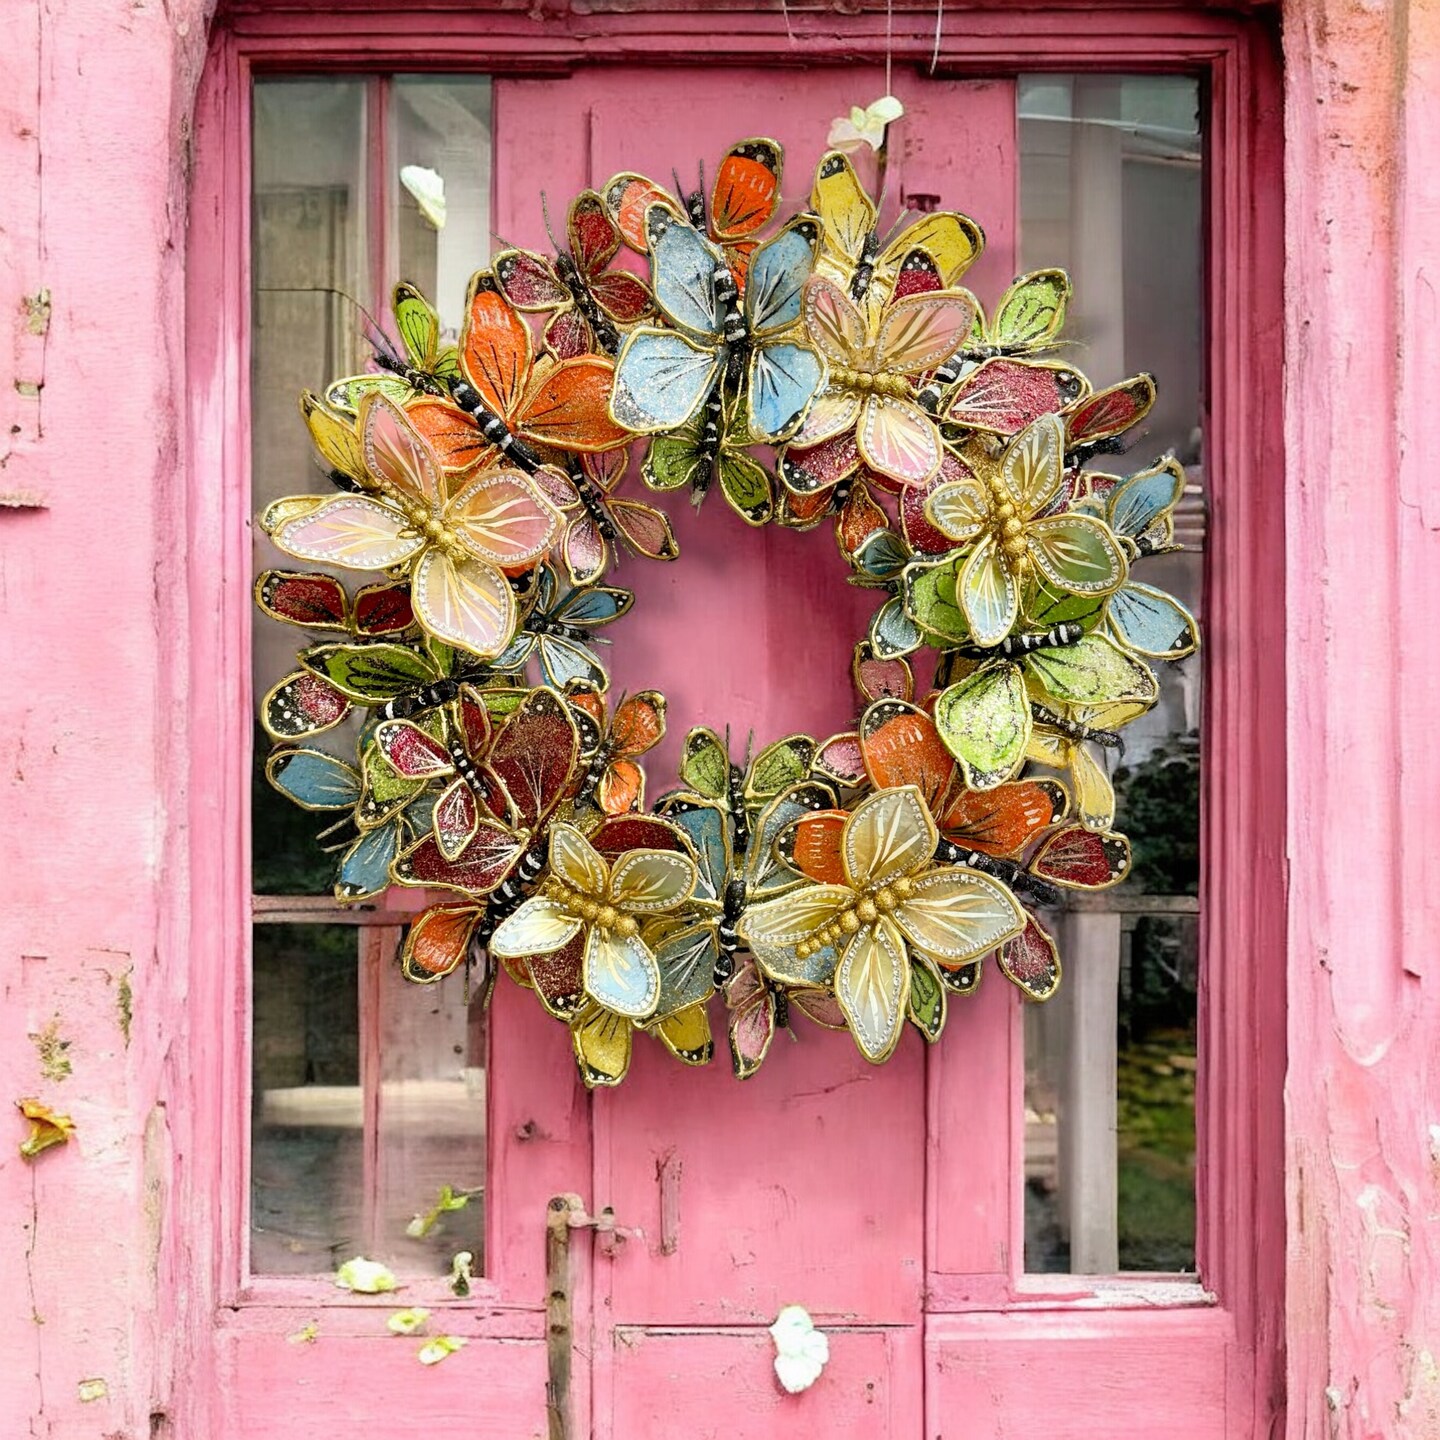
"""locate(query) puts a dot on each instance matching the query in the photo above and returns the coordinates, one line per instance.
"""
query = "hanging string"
(789, 28)
(889, 41)
(939, 31)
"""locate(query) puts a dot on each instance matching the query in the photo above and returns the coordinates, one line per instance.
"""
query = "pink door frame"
(1241, 1244)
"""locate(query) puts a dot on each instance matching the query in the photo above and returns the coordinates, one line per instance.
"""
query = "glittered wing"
(536, 754)
(593, 234)
(1032, 311)
(628, 198)
(567, 406)
(784, 379)
(452, 435)
(751, 1007)
(1004, 396)
(950, 239)
(778, 272)
(682, 270)
(438, 941)
(354, 532)
(1141, 508)
(1109, 412)
(901, 746)
(1004, 820)
(747, 189)
(529, 281)
(396, 455)
(313, 779)
(846, 212)
(661, 380)
(419, 327)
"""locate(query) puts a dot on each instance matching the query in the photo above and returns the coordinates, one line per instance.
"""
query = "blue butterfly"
(558, 632)
(665, 376)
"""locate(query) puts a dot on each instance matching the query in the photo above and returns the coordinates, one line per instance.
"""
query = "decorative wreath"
(825, 371)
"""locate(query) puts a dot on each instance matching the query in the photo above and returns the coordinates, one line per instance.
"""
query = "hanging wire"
(939, 32)
(889, 42)
(789, 29)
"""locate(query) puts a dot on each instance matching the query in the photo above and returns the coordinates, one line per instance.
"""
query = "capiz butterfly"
(507, 402)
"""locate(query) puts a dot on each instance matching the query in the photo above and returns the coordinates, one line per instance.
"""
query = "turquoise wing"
(365, 868)
(784, 379)
(661, 381)
(313, 779)
(778, 272)
(1140, 507)
(563, 660)
(1150, 622)
(682, 271)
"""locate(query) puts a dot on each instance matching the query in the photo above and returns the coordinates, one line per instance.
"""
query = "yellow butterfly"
(849, 239)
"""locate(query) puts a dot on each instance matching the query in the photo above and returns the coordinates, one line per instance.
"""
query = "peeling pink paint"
(109, 1263)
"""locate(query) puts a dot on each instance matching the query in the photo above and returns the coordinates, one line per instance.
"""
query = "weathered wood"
(559, 1316)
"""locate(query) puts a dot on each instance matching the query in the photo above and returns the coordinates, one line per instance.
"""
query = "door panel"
(803, 1185)
(719, 1385)
(1128, 1375)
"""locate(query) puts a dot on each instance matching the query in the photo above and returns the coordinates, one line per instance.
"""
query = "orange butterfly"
(901, 745)
(613, 778)
(507, 403)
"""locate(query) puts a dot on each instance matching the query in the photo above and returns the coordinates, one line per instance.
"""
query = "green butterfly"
(711, 447)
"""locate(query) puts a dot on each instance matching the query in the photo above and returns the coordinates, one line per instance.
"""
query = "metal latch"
(608, 1232)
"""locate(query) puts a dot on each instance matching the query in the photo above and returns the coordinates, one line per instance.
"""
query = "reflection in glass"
(1111, 190)
(431, 1122)
(307, 1203)
(368, 1101)
(442, 125)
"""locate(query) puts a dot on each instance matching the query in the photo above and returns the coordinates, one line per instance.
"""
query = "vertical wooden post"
(559, 1321)
(1089, 1188)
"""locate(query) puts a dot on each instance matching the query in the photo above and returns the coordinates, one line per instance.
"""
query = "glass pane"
(431, 1123)
(1111, 184)
(307, 1210)
(442, 126)
(368, 1107)
(308, 268)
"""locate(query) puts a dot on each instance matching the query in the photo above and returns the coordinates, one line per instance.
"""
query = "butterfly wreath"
(450, 712)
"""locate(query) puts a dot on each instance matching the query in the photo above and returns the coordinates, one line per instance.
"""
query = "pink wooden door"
(809, 1183)
(887, 1201)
